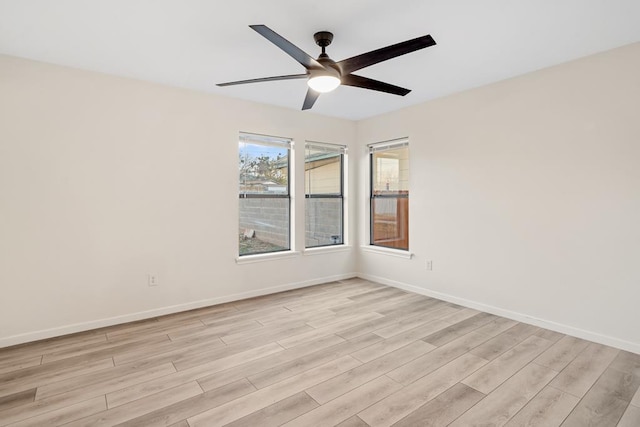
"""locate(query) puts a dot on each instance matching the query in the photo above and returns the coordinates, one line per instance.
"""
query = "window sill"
(250, 259)
(326, 250)
(387, 251)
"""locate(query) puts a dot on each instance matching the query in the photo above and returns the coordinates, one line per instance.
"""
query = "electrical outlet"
(153, 280)
(429, 265)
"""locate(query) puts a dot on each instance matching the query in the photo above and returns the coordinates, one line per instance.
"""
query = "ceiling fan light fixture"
(323, 83)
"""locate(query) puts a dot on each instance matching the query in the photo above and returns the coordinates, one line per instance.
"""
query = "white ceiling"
(197, 43)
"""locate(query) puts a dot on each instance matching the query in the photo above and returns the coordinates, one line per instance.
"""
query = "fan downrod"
(323, 39)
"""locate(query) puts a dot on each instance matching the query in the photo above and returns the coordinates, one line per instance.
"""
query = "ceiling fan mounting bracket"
(323, 38)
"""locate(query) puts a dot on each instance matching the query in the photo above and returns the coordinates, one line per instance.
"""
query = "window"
(390, 194)
(324, 204)
(264, 194)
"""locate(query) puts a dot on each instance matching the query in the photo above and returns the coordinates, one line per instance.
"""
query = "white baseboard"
(101, 323)
(513, 315)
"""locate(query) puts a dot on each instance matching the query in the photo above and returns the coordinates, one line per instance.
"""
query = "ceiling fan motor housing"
(324, 39)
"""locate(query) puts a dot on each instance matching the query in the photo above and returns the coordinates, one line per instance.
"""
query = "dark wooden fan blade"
(356, 63)
(292, 50)
(367, 83)
(310, 99)
(265, 79)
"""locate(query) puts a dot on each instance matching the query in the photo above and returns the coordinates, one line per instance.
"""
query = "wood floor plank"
(549, 408)
(367, 327)
(397, 306)
(354, 421)
(378, 294)
(212, 331)
(140, 407)
(247, 369)
(105, 349)
(44, 371)
(132, 327)
(17, 399)
(627, 362)
(203, 357)
(329, 304)
(145, 388)
(390, 344)
(636, 399)
(496, 326)
(559, 355)
(20, 363)
(550, 335)
(460, 315)
(66, 414)
(347, 405)
(596, 411)
(275, 331)
(169, 350)
(286, 370)
(375, 304)
(162, 328)
(443, 409)
(411, 322)
(617, 383)
(631, 417)
(38, 348)
(307, 317)
(28, 378)
(504, 341)
(330, 389)
(279, 413)
(490, 376)
(433, 360)
(38, 407)
(219, 319)
(344, 317)
(180, 411)
(459, 329)
(334, 328)
(260, 399)
(417, 304)
(578, 377)
(197, 350)
(400, 404)
(501, 405)
(103, 382)
(605, 402)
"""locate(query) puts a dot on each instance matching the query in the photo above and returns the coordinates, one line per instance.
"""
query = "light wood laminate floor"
(350, 353)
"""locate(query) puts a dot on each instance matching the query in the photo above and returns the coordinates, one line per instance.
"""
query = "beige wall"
(525, 194)
(104, 180)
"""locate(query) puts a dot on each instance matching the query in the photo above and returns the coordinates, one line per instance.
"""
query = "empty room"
(338, 213)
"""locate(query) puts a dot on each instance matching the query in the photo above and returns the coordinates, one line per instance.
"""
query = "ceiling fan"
(324, 74)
